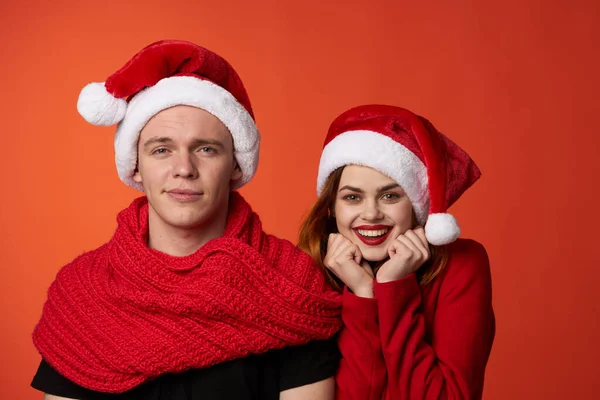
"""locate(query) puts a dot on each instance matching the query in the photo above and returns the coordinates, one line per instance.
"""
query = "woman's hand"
(344, 259)
(408, 252)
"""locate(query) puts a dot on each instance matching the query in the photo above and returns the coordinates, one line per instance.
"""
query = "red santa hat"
(166, 74)
(433, 171)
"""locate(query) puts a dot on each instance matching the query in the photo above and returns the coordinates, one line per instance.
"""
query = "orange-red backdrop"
(514, 82)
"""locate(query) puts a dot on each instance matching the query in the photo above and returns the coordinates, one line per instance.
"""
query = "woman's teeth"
(371, 233)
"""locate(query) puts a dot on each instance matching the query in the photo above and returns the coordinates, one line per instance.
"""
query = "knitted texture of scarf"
(123, 314)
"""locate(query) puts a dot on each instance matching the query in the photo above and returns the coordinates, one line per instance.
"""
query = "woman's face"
(371, 210)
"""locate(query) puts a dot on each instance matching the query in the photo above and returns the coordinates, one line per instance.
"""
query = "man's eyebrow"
(204, 142)
(195, 143)
(157, 140)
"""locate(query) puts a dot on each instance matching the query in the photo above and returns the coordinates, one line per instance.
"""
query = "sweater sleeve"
(453, 365)
(361, 374)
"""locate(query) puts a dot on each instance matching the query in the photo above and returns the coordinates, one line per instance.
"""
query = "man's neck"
(181, 242)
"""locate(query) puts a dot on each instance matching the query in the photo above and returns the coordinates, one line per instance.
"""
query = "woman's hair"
(320, 222)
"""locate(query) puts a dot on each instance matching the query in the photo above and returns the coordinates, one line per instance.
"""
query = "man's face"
(186, 166)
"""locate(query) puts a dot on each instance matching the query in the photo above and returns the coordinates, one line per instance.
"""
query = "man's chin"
(189, 223)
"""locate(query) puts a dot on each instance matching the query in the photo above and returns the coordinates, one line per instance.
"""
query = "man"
(190, 298)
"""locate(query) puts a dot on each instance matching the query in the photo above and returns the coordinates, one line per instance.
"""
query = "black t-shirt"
(261, 377)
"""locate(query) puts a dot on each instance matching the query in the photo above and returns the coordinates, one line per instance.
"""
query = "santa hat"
(166, 74)
(433, 171)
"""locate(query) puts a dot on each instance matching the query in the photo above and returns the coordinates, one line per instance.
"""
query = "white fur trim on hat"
(190, 91)
(441, 229)
(372, 149)
(98, 107)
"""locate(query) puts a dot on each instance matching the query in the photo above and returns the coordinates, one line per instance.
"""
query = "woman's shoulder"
(467, 249)
(468, 262)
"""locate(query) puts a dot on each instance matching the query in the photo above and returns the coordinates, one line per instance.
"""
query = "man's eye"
(160, 150)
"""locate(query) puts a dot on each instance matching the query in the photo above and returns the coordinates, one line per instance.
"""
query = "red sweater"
(413, 342)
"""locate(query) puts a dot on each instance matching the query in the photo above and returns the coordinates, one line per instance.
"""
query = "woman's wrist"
(365, 291)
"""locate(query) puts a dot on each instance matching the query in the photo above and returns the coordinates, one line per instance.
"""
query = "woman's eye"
(351, 197)
(390, 196)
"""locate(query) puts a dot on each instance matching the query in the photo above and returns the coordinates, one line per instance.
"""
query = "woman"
(417, 311)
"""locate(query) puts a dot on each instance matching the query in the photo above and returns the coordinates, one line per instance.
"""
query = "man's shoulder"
(285, 246)
(89, 257)
(295, 264)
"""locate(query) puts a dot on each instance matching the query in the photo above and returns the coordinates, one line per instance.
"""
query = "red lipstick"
(373, 240)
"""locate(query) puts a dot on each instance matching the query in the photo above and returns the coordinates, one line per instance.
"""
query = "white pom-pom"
(441, 229)
(99, 107)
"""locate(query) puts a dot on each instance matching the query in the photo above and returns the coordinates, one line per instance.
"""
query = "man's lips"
(184, 194)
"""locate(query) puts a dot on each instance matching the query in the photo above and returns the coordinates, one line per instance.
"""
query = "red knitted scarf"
(124, 313)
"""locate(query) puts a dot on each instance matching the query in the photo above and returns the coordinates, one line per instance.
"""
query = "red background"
(515, 83)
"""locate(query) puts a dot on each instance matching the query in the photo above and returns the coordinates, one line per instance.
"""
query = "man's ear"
(137, 177)
(237, 173)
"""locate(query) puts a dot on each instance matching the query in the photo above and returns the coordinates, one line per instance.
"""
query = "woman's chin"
(373, 255)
